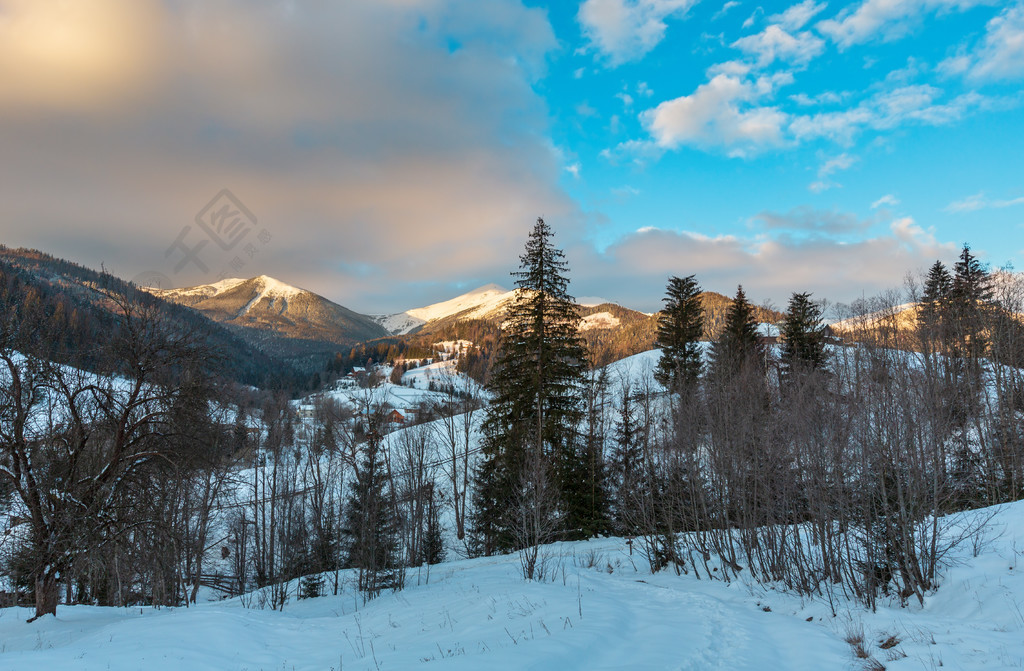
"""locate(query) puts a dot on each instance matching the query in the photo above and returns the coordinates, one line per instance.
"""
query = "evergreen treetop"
(739, 342)
(803, 338)
(680, 327)
(972, 284)
(938, 286)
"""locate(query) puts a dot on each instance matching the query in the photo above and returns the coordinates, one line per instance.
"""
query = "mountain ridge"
(281, 318)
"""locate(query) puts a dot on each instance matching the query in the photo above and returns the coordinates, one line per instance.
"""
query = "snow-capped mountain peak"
(266, 304)
(472, 304)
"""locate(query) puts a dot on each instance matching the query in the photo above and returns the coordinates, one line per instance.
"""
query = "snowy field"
(597, 608)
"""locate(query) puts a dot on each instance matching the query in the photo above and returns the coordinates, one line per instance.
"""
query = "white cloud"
(626, 30)
(837, 126)
(954, 65)
(842, 162)
(886, 200)
(623, 193)
(797, 16)
(886, 19)
(757, 13)
(886, 110)
(910, 233)
(731, 68)
(636, 152)
(1001, 55)
(721, 113)
(731, 112)
(774, 43)
(828, 168)
(725, 9)
(573, 169)
(979, 201)
(824, 98)
(769, 264)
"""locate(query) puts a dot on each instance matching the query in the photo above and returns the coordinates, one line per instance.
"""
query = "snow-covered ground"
(394, 395)
(597, 608)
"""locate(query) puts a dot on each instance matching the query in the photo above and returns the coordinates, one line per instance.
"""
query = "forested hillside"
(68, 303)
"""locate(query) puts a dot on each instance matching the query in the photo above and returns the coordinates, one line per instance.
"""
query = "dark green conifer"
(371, 523)
(680, 327)
(739, 343)
(803, 338)
(536, 387)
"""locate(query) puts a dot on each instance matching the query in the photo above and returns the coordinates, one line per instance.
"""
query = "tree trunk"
(46, 595)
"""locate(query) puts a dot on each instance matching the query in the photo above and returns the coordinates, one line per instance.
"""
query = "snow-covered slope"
(477, 304)
(599, 320)
(597, 607)
(264, 286)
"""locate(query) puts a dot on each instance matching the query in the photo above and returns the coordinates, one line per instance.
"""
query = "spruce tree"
(585, 485)
(536, 388)
(627, 465)
(803, 346)
(739, 343)
(970, 300)
(937, 288)
(933, 313)
(371, 523)
(970, 295)
(680, 327)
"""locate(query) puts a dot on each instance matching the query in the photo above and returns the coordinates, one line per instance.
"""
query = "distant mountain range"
(480, 303)
(284, 320)
(272, 330)
(71, 297)
(305, 328)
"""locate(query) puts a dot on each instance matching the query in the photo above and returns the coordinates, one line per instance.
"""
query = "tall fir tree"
(803, 337)
(627, 465)
(536, 404)
(739, 343)
(970, 302)
(371, 523)
(933, 313)
(586, 490)
(680, 327)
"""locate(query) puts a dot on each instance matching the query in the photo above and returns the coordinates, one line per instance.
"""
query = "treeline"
(379, 351)
(829, 469)
(825, 468)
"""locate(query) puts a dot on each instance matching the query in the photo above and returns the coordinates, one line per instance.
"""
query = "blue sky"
(395, 153)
